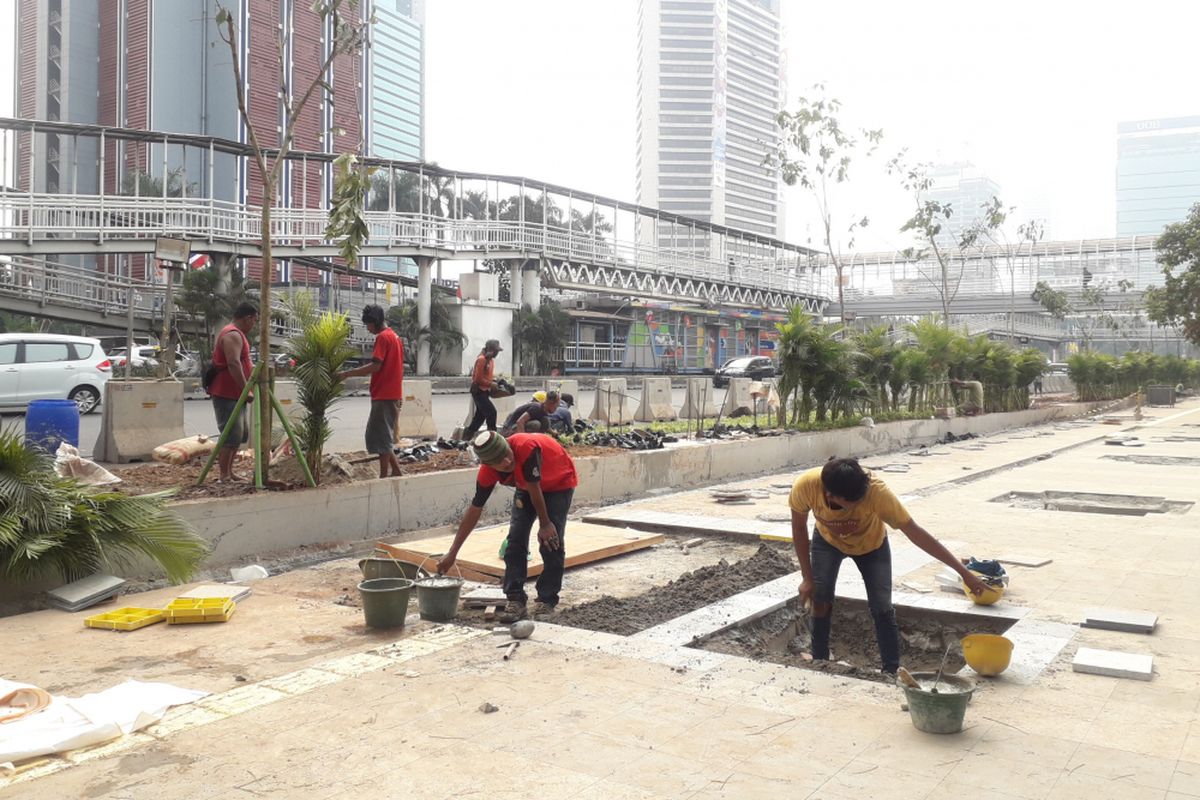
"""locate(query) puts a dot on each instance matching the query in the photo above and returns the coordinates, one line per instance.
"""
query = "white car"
(145, 355)
(47, 366)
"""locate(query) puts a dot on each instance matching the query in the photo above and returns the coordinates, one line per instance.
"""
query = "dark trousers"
(516, 567)
(485, 412)
(876, 570)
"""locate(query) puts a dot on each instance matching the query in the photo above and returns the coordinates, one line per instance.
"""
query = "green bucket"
(942, 711)
(385, 601)
(375, 567)
(437, 597)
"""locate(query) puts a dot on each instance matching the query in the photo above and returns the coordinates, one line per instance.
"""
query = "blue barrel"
(48, 423)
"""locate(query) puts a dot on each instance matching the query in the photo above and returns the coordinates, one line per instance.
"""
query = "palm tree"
(540, 335)
(320, 351)
(56, 526)
(876, 355)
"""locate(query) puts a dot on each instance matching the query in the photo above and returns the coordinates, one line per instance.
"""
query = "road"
(349, 418)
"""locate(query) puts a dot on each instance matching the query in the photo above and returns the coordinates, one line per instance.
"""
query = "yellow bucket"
(987, 653)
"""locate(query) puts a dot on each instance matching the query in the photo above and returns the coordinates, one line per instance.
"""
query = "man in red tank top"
(231, 358)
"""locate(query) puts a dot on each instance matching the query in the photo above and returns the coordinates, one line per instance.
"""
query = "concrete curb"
(252, 525)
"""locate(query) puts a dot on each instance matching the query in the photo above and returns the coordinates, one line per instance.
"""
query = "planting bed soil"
(688, 592)
(287, 475)
(782, 638)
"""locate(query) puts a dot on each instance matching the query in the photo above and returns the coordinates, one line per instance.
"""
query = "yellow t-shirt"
(855, 531)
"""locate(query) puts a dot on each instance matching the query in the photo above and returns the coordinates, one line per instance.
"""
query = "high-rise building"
(163, 66)
(1158, 173)
(710, 83)
(966, 189)
(396, 81)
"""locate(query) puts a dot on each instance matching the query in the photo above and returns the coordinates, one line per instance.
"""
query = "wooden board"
(480, 554)
(649, 520)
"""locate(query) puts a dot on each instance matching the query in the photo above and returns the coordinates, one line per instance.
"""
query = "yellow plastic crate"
(184, 611)
(126, 619)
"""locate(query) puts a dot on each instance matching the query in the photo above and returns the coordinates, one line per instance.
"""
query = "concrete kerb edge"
(238, 527)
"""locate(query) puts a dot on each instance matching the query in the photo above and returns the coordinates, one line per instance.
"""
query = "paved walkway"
(309, 704)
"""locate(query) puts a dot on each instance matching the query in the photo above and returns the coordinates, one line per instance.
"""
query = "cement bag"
(183, 450)
(69, 722)
(69, 464)
(19, 699)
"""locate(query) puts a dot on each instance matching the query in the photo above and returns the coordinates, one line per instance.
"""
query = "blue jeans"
(516, 567)
(876, 570)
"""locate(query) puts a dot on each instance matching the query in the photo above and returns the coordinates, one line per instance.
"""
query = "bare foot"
(231, 478)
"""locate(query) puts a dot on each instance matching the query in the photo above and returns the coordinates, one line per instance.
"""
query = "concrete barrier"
(612, 404)
(656, 405)
(138, 417)
(416, 415)
(698, 399)
(288, 395)
(738, 402)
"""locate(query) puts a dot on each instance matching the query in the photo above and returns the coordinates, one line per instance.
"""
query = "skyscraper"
(966, 189)
(396, 81)
(709, 86)
(1158, 173)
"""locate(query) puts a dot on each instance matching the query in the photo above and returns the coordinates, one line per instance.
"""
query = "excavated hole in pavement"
(1126, 505)
(782, 638)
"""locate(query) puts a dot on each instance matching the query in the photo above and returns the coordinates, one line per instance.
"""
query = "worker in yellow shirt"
(850, 508)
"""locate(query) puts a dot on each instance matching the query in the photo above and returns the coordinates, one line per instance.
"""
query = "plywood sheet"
(480, 557)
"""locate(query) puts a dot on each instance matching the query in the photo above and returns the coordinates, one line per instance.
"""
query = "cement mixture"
(782, 638)
(690, 591)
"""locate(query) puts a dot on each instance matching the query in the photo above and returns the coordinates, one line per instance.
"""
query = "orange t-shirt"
(481, 375)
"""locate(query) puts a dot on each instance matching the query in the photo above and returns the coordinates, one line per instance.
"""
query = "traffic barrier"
(656, 403)
(738, 402)
(138, 417)
(288, 395)
(699, 399)
(564, 386)
(416, 415)
(612, 404)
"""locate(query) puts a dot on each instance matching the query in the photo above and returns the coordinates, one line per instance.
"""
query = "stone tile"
(740, 784)
(1113, 663)
(996, 773)
(904, 747)
(1186, 779)
(1024, 560)
(1007, 742)
(864, 778)
(1120, 619)
(1122, 766)
(1082, 786)
(673, 775)
(737, 734)
(595, 755)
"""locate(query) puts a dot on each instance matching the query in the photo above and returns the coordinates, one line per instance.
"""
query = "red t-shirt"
(538, 459)
(223, 384)
(387, 383)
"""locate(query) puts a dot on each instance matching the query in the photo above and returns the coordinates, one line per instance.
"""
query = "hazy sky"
(1029, 90)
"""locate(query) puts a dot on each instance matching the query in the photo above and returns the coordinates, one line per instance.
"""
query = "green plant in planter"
(320, 350)
(56, 526)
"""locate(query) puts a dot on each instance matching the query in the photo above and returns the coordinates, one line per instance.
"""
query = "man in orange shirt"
(850, 508)
(545, 480)
(387, 390)
(482, 376)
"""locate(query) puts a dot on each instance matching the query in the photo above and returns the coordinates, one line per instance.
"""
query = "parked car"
(46, 366)
(144, 355)
(753, 367)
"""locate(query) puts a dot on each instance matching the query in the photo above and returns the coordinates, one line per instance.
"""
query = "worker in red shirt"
(545, 480)
(231, 368)
(387, 390)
